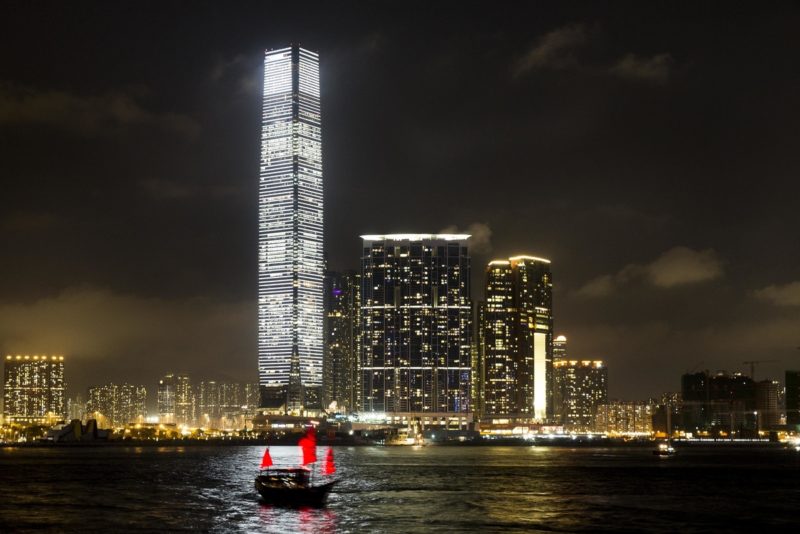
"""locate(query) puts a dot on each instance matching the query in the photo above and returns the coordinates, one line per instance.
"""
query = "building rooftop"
(415, 237)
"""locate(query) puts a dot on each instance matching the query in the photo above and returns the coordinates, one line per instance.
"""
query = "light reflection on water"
(401, 489)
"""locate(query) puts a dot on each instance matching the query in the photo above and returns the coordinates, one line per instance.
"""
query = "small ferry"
(664, 449)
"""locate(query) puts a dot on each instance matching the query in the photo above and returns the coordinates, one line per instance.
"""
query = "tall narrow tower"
(290, 258)
(518, 332)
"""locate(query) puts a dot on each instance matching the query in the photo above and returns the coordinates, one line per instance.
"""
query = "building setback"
(290, 255)
(33, 389)
(416, 318)
(518, 338)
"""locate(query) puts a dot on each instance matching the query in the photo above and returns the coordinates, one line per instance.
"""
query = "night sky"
(650, 150)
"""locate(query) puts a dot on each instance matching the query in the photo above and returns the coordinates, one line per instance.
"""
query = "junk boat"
(294, 486)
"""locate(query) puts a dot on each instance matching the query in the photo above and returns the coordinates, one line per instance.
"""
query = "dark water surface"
(402, 489)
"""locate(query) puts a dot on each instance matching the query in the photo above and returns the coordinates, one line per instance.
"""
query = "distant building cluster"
(207, 404)
(116, 405)
(404, 339)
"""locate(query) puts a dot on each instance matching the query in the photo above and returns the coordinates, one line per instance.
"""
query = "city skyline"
(133, 231)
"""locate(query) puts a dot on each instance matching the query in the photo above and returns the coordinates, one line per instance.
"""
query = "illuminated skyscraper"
(33, 389)
(290, 258)
(518, 338)
(342, 339)
(416, 323)
(580, 386)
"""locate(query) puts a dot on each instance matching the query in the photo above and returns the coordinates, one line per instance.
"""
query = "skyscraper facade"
(342, 339)
(290, 256)
(416, 317)
(579, 387)
(518, 338)
(33, 389)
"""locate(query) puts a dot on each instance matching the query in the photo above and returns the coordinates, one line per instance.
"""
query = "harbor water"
(404, 489)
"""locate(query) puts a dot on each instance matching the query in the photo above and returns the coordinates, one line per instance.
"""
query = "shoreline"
(542, 443)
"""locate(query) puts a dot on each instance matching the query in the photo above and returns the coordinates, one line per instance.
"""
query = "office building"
(580, 386)
(115, 405)
(290, 256)
(792, 399)
(33, 389)
(767, 410)
(722, 404)
(342, 308)
(416, 324)
(518, 338)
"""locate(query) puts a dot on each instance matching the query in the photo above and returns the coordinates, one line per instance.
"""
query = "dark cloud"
(89, 115)
(675, 267)
(480, 240)
(173, 190)
(554, 50)
(655, 69)
(781, 295)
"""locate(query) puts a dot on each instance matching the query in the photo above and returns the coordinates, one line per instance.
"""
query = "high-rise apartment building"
(792, 398)
(624, 417)
(115, 405)
(560, 348)
(290, 255)
(579, 387)
(518, 338)
(33, 389)
(208, 404)
(718, 403)
(166, 399)
(767, 410)
(342, 307)
(416, 317)
(185, 401)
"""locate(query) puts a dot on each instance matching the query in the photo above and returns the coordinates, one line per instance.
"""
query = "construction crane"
(752, 364)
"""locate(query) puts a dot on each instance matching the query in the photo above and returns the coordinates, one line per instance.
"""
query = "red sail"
(266, 461)
(329, 467)
(308, 445)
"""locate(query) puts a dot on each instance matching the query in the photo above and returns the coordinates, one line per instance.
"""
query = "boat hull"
(298, 496)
